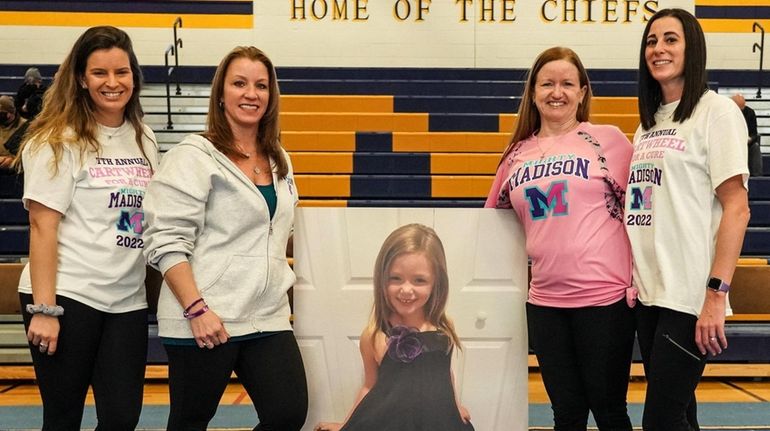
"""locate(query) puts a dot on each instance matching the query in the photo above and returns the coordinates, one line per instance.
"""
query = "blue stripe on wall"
(383, 186)
(374, 141)
(391, 163)
(732, 12)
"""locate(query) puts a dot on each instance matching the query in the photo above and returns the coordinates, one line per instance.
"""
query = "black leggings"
(269, 368)
(585, 358)
(672, 374)
(105, 350)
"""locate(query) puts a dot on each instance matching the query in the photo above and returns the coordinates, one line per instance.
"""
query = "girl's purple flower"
(404, 345)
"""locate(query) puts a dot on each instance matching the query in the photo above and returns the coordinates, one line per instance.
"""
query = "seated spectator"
(9, 123)
(29, 98)
(755, 153)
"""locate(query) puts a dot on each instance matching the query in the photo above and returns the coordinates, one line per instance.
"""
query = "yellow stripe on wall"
(731, 25)
(88, 19)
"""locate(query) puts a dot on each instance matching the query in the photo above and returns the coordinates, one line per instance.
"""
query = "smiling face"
(558, 93)
(664, 55)
(110, 83)
(246, 93)
(410, 282)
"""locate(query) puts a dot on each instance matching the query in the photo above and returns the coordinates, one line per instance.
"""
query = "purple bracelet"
(196, 302)
(190, 316)
(186, 312)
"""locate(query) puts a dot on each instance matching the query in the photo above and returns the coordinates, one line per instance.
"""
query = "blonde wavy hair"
(67, 118)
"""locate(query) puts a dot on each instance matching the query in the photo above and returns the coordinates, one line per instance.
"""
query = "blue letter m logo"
(131, 221)
(641, 199)
(554, 200)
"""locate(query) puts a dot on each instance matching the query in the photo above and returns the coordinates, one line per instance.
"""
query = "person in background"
(221, 210)
(10, 122)
(564, 179)
(87, 161)
(755, 152)
(687, 211)
(29, 97)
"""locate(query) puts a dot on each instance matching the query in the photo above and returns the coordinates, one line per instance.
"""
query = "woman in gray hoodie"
(221, 210)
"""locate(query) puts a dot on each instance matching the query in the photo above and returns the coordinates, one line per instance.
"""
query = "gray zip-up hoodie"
(201, 208)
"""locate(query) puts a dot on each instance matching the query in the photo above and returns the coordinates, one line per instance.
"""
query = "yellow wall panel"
(89, 19)
(507, 123)
(336, 186)
(322, 163)
(363, 122)
(463, 186)
(614, 105)
(318, 141)
(463, 142)
(323, 203)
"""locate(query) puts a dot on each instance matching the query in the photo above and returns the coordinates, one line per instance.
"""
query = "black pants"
(104, 350)
(269, 368)
(672, 374)
(585, 358)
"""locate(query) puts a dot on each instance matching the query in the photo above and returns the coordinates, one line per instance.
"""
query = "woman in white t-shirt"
(686, 214)
(87, 161)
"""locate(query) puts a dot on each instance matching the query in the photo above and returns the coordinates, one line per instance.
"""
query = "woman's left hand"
(710, 329)
(208, 330)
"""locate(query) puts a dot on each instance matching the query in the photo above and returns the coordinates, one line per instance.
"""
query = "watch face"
(718, 285)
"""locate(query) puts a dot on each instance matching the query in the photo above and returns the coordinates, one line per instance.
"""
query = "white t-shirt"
(100, 233)
(672, 211)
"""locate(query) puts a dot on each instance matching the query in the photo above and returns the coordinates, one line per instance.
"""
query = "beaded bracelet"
(48, 310)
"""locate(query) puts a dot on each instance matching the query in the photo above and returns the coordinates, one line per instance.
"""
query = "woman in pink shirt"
(559, 175)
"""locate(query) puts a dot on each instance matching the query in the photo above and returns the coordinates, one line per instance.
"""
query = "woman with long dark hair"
(686, 215)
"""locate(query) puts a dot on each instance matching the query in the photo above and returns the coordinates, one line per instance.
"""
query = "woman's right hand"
(44, 333)
(328, 426)
(208, 330)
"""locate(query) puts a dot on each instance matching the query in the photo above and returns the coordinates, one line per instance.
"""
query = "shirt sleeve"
(728, 153)
(175, 207)
(620, 152)
(51, 187)
(498, 193)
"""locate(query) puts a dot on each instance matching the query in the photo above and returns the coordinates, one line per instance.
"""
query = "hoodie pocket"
(233, 294)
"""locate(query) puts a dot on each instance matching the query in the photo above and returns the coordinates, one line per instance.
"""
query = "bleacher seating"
(410, 137)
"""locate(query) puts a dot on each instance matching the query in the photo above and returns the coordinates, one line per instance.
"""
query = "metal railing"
(761, 47)
(177, 45)
(169, 71)
(172, 49)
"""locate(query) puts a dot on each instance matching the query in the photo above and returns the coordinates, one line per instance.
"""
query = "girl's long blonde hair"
(412, 238)
(67, 117)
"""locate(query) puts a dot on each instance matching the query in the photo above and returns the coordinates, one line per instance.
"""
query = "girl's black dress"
(414, 387)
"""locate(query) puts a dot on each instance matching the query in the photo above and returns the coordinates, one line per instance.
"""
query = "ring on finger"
(712, 338)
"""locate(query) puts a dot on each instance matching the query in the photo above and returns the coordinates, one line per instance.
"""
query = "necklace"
(543, 151)
(256, 169)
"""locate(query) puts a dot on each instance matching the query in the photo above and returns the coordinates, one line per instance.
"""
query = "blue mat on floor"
(713, 416)
(748, 416)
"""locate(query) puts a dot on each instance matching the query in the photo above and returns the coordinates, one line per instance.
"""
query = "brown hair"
(528, 121)
(218, 129)
(68, 106)
(413, 238)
